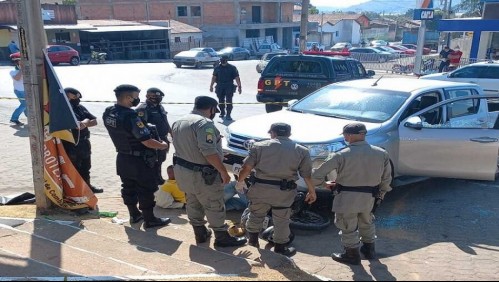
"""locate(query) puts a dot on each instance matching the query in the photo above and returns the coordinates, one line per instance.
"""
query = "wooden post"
(304, 25)
(32, 39)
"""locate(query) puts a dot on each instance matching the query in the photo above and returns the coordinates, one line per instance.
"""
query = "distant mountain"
(382, 6)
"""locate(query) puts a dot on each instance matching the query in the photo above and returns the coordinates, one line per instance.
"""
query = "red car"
(404, 50)
(63, 54)
(426, 51)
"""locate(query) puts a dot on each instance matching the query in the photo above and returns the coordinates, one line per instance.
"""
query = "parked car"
(426, 50)
(429, 128)
(195, 58)
(295, 76)
(485, 74)
(395, 53)
(235, 53)
(341, 46)
(406, 51)
(210, 51)
(63, 54)
(311, 44)
(266, 58)
(379, 43)
(268, 48)
(370, 54)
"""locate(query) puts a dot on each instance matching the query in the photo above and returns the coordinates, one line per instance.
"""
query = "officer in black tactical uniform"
(137, 159)
(224, 76)
(153, 112)
(79, 153)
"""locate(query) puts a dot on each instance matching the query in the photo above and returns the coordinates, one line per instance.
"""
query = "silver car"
(195, 58)
(266, 58)
(429, 128)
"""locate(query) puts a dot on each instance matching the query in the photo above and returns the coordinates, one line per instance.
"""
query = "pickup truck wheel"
(178, 65)
(272, 108)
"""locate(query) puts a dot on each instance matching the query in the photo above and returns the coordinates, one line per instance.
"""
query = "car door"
(53, 53)
(464, 148)
(65, 54)
(470, 74)
(489, 79)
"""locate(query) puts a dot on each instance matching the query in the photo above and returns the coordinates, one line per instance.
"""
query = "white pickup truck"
(429, 128)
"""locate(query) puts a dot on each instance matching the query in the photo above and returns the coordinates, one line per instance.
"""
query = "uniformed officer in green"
(363, 174)
(200, 172)
(277, 162)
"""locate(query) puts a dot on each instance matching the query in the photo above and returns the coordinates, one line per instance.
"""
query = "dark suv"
(292, 77)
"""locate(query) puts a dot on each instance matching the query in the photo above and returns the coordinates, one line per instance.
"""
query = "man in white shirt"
(17, 78)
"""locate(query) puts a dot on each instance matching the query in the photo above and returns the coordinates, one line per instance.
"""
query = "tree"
(69, 2)
(469, 8)
(312, 10)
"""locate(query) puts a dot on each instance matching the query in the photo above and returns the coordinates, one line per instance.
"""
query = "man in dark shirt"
(79, 153)
(224, 75)
(445, 59)
(136, 160)
(152, 112)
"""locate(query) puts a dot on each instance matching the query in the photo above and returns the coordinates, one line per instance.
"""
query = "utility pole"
(32, 39)
(449, 12)
(304, 24)
(322, 25)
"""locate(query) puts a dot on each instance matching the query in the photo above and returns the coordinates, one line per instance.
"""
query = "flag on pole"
(64, 186)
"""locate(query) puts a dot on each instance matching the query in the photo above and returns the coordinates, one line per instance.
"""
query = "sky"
(336, 3)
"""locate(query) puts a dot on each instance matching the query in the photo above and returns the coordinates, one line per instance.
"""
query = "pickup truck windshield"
(365, 105)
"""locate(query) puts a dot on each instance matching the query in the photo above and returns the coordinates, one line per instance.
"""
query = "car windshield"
(359, 104)
(188, 53)
(228, 49)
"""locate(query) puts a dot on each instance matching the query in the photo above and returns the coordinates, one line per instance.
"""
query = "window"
(177, 39)
(62, 37)
(340, 67)
(469, 72)
(182, 11)
(296, 67)
(337, 33)
(491, 72)
(195, 11)
(460, 114)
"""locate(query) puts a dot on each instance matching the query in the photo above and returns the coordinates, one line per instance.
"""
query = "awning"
(58, 26)
(127, 28)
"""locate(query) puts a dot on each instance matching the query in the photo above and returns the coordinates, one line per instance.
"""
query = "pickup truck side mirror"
(370, 73)
(414, 123)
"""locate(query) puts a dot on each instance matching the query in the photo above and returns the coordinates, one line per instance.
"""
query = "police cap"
(123, 88)
(72, 91)
(354, 128)
(205, 102)
(280, 129)
(156, 91)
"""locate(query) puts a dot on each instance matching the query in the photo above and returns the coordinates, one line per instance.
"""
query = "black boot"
(350, 256)
(284, 250)
(152, 221)
(368, 250)
(223, 239)
(202, 233)
(253, 239)
(135, 214)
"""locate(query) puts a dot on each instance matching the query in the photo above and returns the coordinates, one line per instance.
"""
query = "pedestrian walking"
(136, 162)
(277, 163)
(80, 152)
(363, 175)
(224, 75)
(154, 113)
(200, 172)
(17, 79)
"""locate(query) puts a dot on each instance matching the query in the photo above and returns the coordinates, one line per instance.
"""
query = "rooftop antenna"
(376, 82)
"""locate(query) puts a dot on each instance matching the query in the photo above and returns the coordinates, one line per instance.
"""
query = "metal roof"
(127, 28)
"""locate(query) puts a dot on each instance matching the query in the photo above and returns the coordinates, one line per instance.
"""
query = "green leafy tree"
(312, 10)
(69, 2)
(469, 8)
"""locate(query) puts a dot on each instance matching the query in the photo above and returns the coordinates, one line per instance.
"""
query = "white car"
(485, 74)
(310, 44)
(429, 128)
(266, 58)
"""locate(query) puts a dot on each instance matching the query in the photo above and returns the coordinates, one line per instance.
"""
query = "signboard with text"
(423, 14)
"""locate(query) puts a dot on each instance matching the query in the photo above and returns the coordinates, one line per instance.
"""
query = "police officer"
(363, 174)
(137, 160)
(154, 113)
(277, 162)
(224, 75)
(79, 153)
(200, 172)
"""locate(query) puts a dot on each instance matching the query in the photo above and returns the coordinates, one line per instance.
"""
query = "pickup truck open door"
(460, 141)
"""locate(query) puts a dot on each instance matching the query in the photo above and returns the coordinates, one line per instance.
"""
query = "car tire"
(269, 108)
(74, 61)
(198, 65)
(178, 65)
(246, 57)
(308, 220)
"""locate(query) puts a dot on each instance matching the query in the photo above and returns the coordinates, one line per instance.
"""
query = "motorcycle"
(99, 57)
